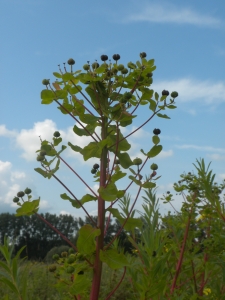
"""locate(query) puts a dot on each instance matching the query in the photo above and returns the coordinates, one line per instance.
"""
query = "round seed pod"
(56, 134)
(143, 55)
(95, 65)
(116, 57)
(154, 167)
(104, 57)
(70, 269)
(174, 94)
(28, 191)
(137, 161)
(96, 166)
(71, 61)
(149, 75)
(16, 199)
(165, 93)
(55, 256)
(131, 65)
(86, 67)
(20, 194)
(52, 268)
(117, 161)
(124, 71)
(156, 131)
(93, 171)
(64, 254)
(42, 153)
(45, 82)
(120, 67)
(40, 158)
(71, 259)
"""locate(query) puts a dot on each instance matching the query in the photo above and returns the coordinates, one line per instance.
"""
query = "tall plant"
(110, 96)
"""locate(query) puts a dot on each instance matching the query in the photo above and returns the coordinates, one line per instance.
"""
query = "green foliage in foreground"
(179, 256)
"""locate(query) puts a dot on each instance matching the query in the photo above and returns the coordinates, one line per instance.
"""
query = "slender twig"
(124, 223)
(84, 96)
(179, 263)
(76, 120)
(119, 283)
(75, 199)
(77, 175)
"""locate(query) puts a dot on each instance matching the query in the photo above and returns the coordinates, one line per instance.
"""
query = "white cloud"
(164, 154)
(167, 13)
(5, 132)
(5, 166)
(201, 148)
(190, 89)
(17, 175)
(221, 176)
(29, 141)
(216, 156)
(63, 212)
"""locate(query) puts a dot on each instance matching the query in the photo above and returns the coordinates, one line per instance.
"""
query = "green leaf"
(28, 208)
(131, 223)
(67, 77)
(117, 175)
(75, 148)
(125, 160)
(155, 139)
(86, 239)
(123, 144)
(75, 89)
(93, 149)
(171, 106)
(88, 119)
(7, 282)
(163, 116)
(57, 75)
(114, 259)
(147, 95)
(152, 105)
(138, 182)
(81, 283)
(108, 193)
(132, 171)
(148, 185)
(75, 203)
(156, 96)
(42, 172)
(57, 141)
(154, 151)
(100, 69)
(120, 194)
(47, 96)
(142, 151)
(61, 94)
(80, 131)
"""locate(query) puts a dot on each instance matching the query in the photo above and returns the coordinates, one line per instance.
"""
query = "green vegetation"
(179, 256)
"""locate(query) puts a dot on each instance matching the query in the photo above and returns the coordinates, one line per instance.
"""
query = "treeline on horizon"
(39, 238)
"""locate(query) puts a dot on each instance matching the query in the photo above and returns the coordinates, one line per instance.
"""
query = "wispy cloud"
(216, 156)
(201, 148)
(168, 13)
(190, 89)
(6, 132)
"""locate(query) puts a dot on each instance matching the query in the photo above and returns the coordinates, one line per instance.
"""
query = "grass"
(41, 284)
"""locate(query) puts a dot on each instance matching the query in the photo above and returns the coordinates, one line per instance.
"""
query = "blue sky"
(187, 41)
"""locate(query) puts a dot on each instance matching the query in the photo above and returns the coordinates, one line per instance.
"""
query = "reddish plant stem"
(194, 276)
(97, 271)
(119, 283)
(206, 257)
(179, 263)
(77, 175)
